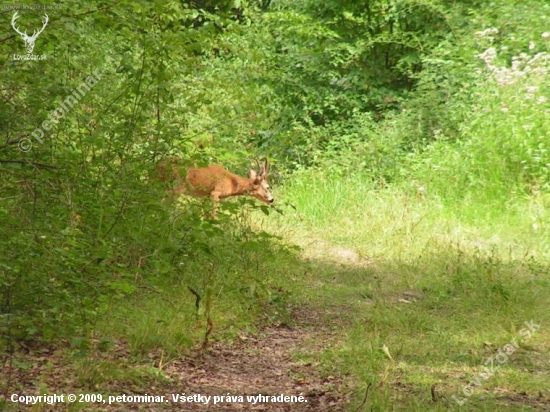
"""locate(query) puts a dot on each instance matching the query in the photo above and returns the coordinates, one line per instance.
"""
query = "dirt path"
(274, 361)
(263, 364)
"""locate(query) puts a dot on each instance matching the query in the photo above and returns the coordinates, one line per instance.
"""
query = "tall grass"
(402, 220)
(444, 264)
(502, 152)
(441, 291)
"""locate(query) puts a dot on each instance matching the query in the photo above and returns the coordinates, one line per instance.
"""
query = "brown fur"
(215, 181)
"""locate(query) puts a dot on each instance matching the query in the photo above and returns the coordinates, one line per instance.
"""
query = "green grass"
(240, 276)
(441, 287)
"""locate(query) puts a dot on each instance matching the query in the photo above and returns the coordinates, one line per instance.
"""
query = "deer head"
(29, 40)
(259, 186)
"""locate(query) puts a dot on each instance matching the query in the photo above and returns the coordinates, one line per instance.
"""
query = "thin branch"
(365, 398)
(10, 142)
(197, 298)
(28, 162)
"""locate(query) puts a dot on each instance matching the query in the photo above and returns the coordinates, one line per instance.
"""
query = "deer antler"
(261, 169)
(266, 167)
(15, 16)
(257, 163)
(35, 35)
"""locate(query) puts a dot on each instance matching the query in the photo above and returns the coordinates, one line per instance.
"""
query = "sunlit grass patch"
(441, 288)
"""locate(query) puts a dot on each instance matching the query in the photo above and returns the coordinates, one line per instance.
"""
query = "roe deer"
(215, 181)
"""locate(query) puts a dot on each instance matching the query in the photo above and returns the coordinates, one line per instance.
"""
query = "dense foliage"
(411, 93)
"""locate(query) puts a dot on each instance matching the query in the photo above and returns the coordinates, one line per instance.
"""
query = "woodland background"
(411, 135)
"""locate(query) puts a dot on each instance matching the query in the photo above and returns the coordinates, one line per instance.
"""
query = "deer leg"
(216, 202)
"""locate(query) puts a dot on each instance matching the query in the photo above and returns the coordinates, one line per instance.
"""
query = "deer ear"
(252, 174)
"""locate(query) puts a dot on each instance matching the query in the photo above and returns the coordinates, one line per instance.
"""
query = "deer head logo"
(29, 40)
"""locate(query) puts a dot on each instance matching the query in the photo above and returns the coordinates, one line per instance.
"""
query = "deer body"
(216, 182)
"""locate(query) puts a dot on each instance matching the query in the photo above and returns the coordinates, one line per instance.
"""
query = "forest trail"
(264, 364)
(276, 359)
(281, 359)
